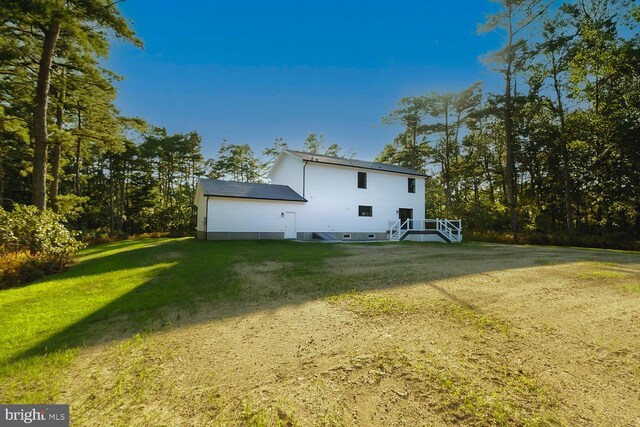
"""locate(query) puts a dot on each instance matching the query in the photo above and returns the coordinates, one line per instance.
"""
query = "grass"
(117, 290)
(632, 287)
(601, 274)
(516, 398)
(607, 273)
(281, 415)
(470, 316)
(119, 308)
(371, 304)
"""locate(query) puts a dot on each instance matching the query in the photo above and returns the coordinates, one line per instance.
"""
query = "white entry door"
(289, 225)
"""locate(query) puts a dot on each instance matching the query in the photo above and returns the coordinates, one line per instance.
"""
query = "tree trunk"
(40, 116)
(76, 181)
(111, 195)
(566, 166)
(510, 171)
(122, 196)
(55, 175)
(1, 178)
(414, 154)
(447, 160)
(487, 172)
(57, 149)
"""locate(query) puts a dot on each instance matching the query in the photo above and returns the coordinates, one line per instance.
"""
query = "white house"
(319, 197)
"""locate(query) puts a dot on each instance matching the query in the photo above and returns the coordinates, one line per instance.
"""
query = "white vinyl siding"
(247, 215)
(333, 199)
(201, 203)
(288, 171)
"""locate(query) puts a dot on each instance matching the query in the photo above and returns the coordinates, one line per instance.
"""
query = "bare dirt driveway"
(386, 335)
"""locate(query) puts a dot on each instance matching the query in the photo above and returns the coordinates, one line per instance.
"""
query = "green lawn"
(288, 333)
(120, 289)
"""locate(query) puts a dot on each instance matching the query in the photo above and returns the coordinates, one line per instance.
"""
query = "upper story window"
(365, 210)
(412, 185)
(362, 180)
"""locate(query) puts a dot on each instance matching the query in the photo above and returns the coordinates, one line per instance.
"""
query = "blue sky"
(253, 71)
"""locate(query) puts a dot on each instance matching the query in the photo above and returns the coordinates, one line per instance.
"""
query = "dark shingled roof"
(249, 190)
(354, 163)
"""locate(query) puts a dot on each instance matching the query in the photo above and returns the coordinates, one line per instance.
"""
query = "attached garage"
(230, 210)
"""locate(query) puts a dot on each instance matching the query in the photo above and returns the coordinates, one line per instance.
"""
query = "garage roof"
(354, 163)
(249, 190)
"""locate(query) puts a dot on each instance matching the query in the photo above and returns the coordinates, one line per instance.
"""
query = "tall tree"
(238, 163)
(514, 17)
(270, 154)
(45, 22)
(555, 48)
(410, 114)
(314, 143)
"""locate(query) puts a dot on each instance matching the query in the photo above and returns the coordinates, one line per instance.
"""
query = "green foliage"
(569, 149)
(36, 241)
(313, 143)
(237, 163)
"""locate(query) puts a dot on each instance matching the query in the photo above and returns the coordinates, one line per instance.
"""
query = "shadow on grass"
(191, 273)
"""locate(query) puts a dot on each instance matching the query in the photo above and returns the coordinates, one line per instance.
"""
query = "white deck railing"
(449, 228)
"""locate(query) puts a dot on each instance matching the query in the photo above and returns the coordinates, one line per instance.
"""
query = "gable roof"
(248, 190)
(354, 163)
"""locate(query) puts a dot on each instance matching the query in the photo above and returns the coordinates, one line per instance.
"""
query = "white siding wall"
(246, 215)
(333, 198)
(288, 171)
(201, 203)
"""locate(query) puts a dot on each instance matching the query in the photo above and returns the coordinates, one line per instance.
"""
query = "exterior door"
(289, 225)
(405, 214)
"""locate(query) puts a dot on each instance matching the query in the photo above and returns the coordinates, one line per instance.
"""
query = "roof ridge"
(364, 164)
(248, 190)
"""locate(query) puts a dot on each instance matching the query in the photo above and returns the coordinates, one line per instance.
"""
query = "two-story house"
(319, 197)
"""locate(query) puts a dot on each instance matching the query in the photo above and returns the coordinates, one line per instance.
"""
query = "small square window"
(365, 210)
(412, 185)
(362, 180)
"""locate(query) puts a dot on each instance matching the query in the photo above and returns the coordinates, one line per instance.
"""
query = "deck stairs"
(323, 236)
(447, 230)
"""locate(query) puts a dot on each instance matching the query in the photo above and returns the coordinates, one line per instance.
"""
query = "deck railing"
(449, 228)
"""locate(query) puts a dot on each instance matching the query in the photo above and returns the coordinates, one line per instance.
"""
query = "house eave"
(367, 168)
(361, 167)
(256, 198)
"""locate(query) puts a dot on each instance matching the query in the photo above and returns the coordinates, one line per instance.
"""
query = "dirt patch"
(426, 335)
(260, 281)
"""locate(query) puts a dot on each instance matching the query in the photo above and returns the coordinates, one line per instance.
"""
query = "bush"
(103, 235)
(608, 241)
(34, 243)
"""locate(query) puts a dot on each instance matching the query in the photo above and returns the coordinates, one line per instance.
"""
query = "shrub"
(34, 243)
(610, 241)
(103, 235)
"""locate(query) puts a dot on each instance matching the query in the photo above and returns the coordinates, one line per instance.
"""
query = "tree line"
(556, 152)
(65, 146)
(555, 155)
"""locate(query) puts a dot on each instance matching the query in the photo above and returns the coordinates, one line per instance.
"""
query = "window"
(371, 236)
(362, 180)
(365, 210)
(346, 236)
(412, 185)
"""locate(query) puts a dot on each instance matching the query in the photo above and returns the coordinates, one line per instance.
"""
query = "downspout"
(304, 176)
(206, 221)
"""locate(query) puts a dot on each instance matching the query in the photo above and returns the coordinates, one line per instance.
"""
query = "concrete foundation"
(242, 235)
